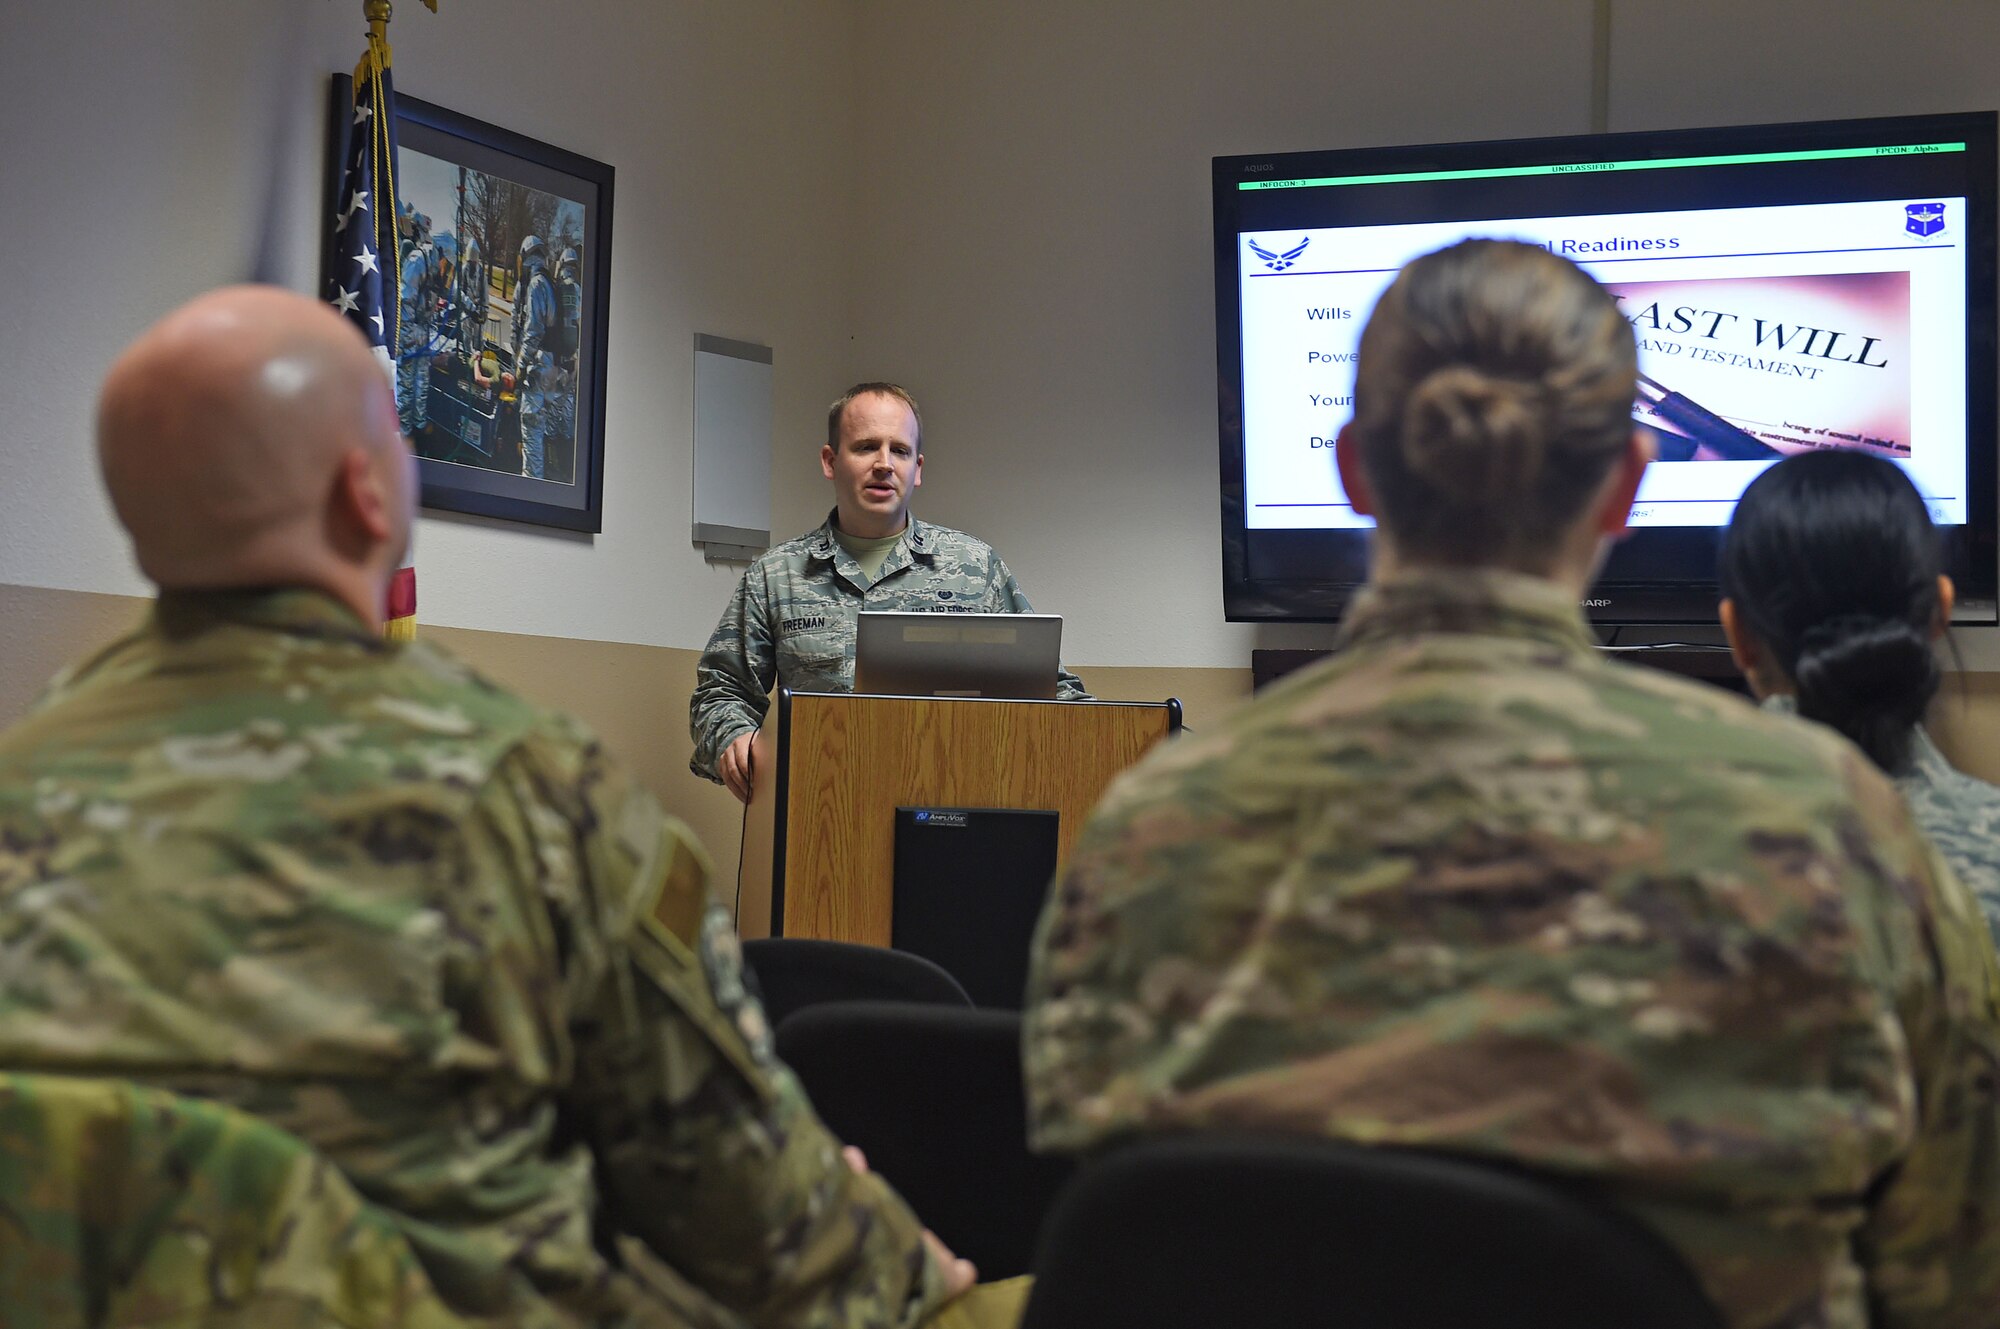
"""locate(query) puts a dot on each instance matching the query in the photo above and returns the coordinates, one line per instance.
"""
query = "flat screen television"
(1792, 287)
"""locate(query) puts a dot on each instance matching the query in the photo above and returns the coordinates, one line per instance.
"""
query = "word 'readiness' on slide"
(1762, 331)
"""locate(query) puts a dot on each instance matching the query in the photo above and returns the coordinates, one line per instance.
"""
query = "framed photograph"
(506, 266)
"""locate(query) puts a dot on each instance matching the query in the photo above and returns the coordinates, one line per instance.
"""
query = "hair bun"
(1868, 675)
(1469, 432)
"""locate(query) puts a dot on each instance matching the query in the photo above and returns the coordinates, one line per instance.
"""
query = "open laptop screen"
(1012, 656)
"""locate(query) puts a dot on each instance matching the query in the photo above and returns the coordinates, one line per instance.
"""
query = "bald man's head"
(250, 439)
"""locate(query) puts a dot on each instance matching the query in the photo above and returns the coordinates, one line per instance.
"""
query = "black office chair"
(933, 1095)
(794, 972)
(1198, 1231)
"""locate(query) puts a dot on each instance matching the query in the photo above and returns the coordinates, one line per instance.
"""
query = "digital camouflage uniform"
(1959, 813)
(253, 853)
(793, 621)
(1469, 885)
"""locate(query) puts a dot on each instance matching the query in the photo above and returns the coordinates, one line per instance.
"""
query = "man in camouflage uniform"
(792, 620)
(254, 854)
(1470, 886)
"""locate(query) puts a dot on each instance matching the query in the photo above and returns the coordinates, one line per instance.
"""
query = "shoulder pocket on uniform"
(717, 1009)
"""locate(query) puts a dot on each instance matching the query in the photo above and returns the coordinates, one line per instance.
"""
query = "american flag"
(364, 279)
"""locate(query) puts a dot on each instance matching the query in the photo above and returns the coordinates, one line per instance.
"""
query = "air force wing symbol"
(1279, 262)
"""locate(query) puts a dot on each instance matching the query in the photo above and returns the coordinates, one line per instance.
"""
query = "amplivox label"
(940, 817)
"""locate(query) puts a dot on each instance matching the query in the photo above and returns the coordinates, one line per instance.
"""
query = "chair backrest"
(795, 972)
(123, 1206)
(1195, 1231)
(933, 1095)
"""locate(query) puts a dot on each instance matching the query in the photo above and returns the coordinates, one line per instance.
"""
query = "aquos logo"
(1277, 262)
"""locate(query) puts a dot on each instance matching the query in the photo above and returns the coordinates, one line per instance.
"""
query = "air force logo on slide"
(1279, 262)
(1923, 220)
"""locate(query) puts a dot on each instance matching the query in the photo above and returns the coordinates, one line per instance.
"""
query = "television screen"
(1791, 287)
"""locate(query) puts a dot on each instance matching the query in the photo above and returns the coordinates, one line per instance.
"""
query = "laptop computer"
(1011, 656)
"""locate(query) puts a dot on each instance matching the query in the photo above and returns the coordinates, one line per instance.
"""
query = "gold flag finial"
(379, 12)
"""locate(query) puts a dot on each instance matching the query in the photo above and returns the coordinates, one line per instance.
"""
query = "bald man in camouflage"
(792, 619)
(254, 854)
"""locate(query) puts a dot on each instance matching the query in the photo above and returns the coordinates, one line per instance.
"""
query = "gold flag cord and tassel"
(400, 613)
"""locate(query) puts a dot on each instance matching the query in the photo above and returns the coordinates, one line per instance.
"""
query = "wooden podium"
(832, 768)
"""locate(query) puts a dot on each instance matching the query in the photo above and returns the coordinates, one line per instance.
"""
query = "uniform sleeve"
(1931, 1245)
(1005, 596)
(1089, 1038)
(732, 681)
(705, 1146)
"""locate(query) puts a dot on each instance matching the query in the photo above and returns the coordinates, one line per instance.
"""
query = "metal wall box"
(732, 448)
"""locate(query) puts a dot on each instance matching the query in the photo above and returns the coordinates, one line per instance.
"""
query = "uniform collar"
(821, 544)
(293, 610)
(1925, 762)
(1481, 603)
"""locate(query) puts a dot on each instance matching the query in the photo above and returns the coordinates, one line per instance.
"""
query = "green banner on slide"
(1588, 168)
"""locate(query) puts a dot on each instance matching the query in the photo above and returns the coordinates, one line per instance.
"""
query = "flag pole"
(400, 612)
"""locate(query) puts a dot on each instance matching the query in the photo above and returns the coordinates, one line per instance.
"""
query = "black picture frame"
(478, 182)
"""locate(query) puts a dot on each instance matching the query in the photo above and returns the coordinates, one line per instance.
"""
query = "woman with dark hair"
(1834, 595)
(1468, 885)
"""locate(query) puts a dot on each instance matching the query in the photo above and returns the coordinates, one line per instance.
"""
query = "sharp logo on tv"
(1924, 220)
(1277, 262)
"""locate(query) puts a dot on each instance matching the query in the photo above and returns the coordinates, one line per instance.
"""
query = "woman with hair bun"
(1835, 592)
(1471, 886)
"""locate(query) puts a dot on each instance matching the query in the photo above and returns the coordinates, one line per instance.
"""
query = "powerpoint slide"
(1761, 332)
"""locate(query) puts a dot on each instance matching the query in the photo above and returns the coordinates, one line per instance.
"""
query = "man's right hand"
(736, 767)
(959, 1274)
